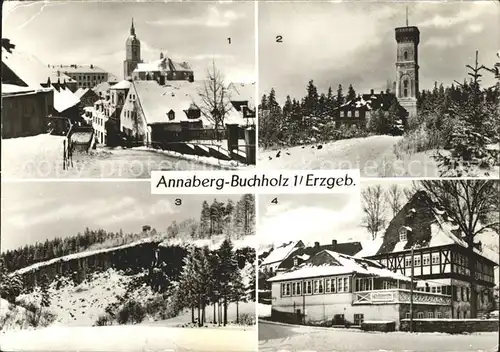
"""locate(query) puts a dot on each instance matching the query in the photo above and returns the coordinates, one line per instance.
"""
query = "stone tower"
(132, 53)
(407, 39)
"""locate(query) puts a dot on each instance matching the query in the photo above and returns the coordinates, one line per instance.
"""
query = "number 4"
(275, 201)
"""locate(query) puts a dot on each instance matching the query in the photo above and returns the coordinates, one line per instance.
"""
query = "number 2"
(279, 39)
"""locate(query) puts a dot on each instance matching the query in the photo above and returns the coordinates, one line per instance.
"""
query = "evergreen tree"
(340, 97)
(44, 288)
(310, 103)
(204, 226)
(227, 271)
(245, 215)
(351, 93)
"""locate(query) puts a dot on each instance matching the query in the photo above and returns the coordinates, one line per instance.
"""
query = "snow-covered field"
(130, 338)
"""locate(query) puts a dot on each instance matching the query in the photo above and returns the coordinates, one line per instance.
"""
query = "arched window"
(405, 88)
(405, 55)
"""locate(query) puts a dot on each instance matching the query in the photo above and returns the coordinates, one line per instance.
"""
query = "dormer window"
(171, 115)
(403, 234)
(295, 261)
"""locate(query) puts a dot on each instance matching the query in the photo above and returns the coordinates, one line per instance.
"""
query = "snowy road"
(42, 157)
(273, 338)
(129, 338)
(374, 156)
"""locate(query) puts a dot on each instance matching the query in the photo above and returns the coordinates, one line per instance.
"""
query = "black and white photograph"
(96, 266)
(118, 89)
(395, 89)
(400, 266)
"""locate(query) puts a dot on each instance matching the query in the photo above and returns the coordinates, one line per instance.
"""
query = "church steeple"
(132, 29)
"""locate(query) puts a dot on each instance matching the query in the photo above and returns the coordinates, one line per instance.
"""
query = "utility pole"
(411, 290)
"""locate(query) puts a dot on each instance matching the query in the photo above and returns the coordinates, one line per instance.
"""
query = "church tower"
(407, 39)
(132, 53)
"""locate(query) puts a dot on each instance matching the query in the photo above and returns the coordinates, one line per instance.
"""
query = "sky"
(35, 211)
(95, 33)
(353, 43)
(315, 218)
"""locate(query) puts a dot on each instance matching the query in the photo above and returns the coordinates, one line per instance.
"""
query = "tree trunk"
(203, 316)
(473, 293)
(225, 311)
(199, 311)
(237, 312)
(215, 318)
(192, 315)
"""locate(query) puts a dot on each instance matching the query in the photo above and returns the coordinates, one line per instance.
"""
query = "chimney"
(334, 244)
(316, 244)
(371, 91)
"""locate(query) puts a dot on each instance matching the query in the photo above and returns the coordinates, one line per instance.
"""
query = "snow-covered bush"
(131, 312)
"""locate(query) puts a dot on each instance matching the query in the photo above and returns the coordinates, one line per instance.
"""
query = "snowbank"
(264, 310)
(129, 338)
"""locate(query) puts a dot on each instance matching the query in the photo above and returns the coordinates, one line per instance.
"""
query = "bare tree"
(409, 192)
(473, 205)
(394, 198)
(374, 209)
(215, 101)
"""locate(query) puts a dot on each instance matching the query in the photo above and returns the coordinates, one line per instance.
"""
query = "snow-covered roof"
(180, 66)
(151, 66)
(370, 248)
(31, 70)
(80, 92)
(177, 96)
(12, 89)
(124, 84)
(442, 231)
(243, 92)
(64, 99)
(79, 68)
(303, 257)
(346, 265)
(102, 87)
(280, 253)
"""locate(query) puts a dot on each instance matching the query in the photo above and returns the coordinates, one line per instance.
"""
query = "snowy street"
(130, 338)
(42, 157)
(274, 337)
(374, 156)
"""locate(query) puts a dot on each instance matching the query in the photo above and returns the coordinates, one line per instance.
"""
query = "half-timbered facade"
(335, 288)
(440, 261)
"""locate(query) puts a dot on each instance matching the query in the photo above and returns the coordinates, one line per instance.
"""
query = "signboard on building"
(382, 296)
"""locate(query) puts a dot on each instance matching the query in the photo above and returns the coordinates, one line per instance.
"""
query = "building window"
(407, 262)
(403, 234)
(405, 86)
(328, 286)
(435, 258)
(439, 315)
(405, 55)
(433, 289)
(299, 288)
(426, 259)
(295, 261)
(341, 114)
(334, 285)
(467, 293)
(462, 294)
(356, 113)
(420, 315)
(307, 287)
(407, 315)
(438, 289)
(430, 315)
(346, 284)
(349, 113)
(358, 319)
(285, 290)
(418, 262)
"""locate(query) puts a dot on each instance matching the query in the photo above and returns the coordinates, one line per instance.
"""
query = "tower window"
(405, 55)
(405, 88)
